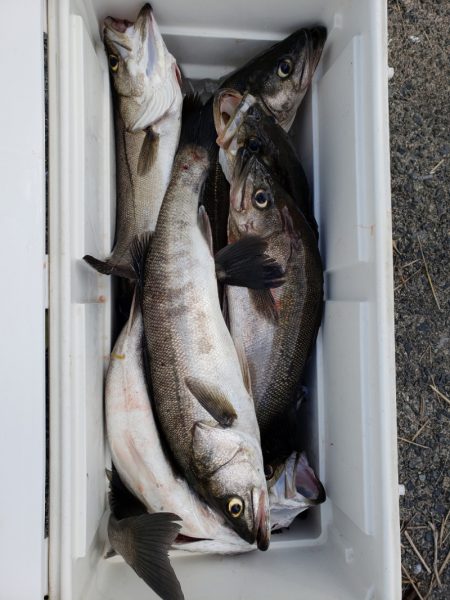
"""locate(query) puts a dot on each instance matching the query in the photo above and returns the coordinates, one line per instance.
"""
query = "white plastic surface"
(22, 305)
(349, 547)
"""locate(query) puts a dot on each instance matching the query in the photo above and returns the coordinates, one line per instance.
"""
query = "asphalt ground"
(420, 146)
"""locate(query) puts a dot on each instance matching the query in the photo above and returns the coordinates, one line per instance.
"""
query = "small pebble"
(417, 569)
(422, 477)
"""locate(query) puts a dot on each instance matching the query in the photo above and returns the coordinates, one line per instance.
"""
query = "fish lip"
(117, 25)
(219, 100)
(318, 37)
(261, 515)
(227, 131)
(121, 26)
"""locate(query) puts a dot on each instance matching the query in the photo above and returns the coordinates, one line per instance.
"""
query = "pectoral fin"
(245, 263)
(144, 542)
(148, 152)
(213, 400)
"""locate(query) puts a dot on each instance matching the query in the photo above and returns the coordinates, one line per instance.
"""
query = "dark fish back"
(299, 320)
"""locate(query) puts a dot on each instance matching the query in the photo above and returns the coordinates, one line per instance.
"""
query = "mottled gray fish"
(275, 328)
(278, 78)
(245, 129)
(204, 407)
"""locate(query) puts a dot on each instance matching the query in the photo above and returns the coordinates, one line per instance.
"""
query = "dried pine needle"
(418, 554)
(428, 274)
(439, 393)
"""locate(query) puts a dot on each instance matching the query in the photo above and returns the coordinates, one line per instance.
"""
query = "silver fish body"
(194, 362)
(139, 457)
(145, 83)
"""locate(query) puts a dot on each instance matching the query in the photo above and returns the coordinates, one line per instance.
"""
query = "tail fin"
(197, 123)
(144, 542)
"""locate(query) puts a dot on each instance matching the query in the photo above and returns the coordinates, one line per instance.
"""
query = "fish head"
(256, 201)
(246, 129)
(229, 464)
(145, 76)
(281, 76)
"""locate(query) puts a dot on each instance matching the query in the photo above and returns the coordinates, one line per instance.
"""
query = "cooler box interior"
(348, 548)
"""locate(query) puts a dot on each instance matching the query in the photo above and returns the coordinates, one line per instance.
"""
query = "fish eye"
(268, 472)
(262, 199)
(235, 507)
(113, 62)
(284, 68)
(254, 144)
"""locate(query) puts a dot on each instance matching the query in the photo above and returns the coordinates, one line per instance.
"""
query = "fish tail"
(144, 542)
(197, 123)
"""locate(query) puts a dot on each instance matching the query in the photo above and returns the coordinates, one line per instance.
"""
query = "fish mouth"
(229, 110)
(306, 482)
(122, 27)
(262, 522)
(117, 25)
(318, 37)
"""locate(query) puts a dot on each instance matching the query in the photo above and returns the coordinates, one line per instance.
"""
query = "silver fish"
(140, 459)
(205, 410)
(276, 328)
(296, 490)
(280, 76)
(147, 98)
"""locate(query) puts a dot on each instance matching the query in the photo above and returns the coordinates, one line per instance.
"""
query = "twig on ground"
(439, 393)
(436, 167)
(404, 281)
(445, 563)
(402, 439)
(435, 561)
(411, 581)
(428, 274)
(442, 528)
(394, 246)
(419, 431)
(413, 262)
(406, 524)
(418, 554)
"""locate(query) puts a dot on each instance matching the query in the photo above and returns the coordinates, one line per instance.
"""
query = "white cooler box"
(348, 548)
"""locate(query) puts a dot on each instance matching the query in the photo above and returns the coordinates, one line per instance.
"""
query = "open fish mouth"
(123, 25)
(229, 111)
